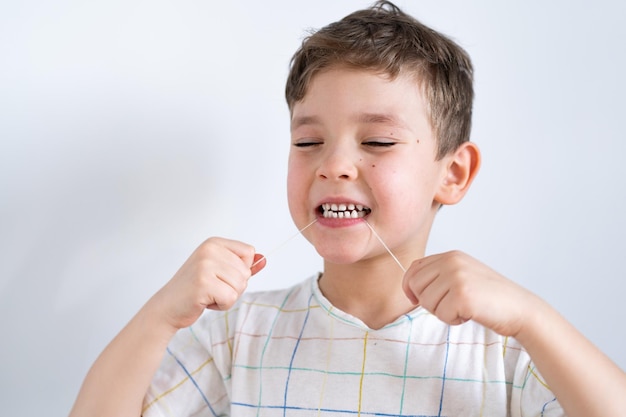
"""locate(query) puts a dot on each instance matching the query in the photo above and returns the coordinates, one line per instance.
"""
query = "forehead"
(360, 96)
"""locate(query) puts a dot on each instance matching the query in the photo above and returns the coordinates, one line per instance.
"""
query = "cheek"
(389, 178)
(291, 187)
(295, 186)
(401, 190)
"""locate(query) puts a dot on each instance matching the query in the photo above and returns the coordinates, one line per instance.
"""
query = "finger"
(419, 275)
(235, 274)
(432, 294)
(409, 294)
(450, 310)
(223, 296)
(238, 255)
(227, 282)
(245, 251)
(216, 247)
(258, 264)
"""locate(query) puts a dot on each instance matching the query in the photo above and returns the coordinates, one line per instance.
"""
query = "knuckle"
(240, 285)
(229, 298)
(456, 253)
(456, 258)
(207, 249)
(462, 290)
(205, 265)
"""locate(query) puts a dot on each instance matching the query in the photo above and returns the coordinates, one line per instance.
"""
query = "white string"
(282, 244)
(385, 246)
(275, 249)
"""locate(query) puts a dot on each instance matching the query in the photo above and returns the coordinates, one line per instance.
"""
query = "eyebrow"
(365, 118)
(304, 120)
(381, 119)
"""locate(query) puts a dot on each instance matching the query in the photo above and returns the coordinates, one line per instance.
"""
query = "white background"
(131, 131)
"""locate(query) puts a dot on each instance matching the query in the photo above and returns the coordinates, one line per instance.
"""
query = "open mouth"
(343, 211)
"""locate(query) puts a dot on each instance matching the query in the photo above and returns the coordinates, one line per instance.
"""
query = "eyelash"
(379, 144)
(306, 144)
(371, 143)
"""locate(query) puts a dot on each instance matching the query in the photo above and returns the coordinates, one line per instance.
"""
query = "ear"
(460, 170)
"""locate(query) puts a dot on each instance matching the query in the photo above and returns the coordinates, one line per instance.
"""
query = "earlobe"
(460, 170)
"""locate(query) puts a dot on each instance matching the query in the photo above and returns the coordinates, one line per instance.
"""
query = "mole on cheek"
(373, 166)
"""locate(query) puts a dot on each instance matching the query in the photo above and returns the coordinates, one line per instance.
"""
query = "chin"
(339, 255)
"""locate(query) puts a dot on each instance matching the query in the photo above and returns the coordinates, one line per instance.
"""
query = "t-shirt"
(291, 353)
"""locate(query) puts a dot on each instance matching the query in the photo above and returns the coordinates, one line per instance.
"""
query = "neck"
(369, 290)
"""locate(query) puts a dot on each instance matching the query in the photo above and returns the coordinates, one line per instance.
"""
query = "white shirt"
(291, 353)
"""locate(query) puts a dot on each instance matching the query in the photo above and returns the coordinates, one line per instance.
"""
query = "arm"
(586, 382)
(214, 276)
(119, 378)
(457, 288)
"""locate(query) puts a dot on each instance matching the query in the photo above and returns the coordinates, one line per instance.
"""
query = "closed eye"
(307, 143)
(379, 144)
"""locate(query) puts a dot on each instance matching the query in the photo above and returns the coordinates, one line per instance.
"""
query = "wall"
(132, 131)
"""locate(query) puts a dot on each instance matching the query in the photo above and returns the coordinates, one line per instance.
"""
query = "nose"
(338, 163)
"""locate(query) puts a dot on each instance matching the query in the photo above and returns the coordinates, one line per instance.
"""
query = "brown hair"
(386, 40)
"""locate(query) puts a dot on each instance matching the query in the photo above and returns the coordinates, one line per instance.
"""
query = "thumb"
(408, 291)
(409, 294)
(258, 263)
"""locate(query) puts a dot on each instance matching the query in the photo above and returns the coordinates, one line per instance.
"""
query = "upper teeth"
(344, 210)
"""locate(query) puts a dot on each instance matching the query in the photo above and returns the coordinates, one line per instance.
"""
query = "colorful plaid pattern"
(291, 353)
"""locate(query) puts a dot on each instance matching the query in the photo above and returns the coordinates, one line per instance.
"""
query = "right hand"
(214, 277)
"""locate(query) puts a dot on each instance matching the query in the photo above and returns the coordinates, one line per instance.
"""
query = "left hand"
(456, 288)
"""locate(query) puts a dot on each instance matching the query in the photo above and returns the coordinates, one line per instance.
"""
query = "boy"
(380, 118)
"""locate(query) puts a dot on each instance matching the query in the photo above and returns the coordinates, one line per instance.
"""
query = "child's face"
(359, 139)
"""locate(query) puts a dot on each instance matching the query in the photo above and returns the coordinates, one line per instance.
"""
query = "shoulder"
(275, 300)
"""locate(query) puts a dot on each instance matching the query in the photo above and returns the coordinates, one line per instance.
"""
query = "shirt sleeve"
(188, 382)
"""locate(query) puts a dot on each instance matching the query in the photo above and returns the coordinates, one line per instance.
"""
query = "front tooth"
(342, 207)
(333, 207)
(350, 206)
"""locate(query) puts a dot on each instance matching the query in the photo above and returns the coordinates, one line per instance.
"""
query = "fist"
(214, 277)
(456, 288)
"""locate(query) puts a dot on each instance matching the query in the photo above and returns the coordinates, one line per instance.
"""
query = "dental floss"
(385, 246)
(282, 244)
